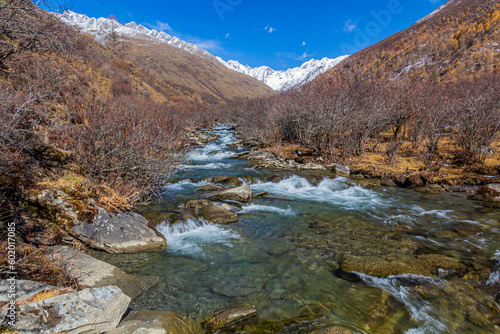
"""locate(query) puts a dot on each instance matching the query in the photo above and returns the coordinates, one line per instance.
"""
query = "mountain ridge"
(100, 28)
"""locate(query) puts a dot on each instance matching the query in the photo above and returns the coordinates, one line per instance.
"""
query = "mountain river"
(283, 254)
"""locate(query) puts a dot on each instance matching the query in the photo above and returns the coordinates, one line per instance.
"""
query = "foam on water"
(190, 237)
(417, 212)
(206, 153)
(183, 185)
(266, 208)
(333, 191)
(213, 165)
(420, 310)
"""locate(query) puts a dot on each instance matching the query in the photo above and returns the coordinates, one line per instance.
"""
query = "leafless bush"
(123, 146)
(24, 29)
(479, 114)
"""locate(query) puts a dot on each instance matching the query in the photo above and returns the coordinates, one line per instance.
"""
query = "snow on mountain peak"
(278, 80)
(284, 80)
(102, 27)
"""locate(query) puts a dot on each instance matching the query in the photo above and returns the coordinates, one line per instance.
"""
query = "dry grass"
(412, 159)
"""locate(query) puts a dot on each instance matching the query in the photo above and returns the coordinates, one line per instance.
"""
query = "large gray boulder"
(89, 272)
(121, 232)
(156, 322)
(228, 318)
(88, 311)
(240, 194)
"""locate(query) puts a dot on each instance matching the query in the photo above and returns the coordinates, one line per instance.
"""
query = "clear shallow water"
(282, 256)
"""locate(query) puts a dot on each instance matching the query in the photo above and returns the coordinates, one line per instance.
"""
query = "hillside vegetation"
(423, 100)
(458, 42)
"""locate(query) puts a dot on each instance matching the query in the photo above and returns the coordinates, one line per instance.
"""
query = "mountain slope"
(166, 58)
(101, 28)
(458, 40)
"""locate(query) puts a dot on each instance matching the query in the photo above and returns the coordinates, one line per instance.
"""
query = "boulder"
(89, 272)
(227, 181)
(260, 156)
(228, 318)
(121, 232)
(219, 214)
(210, 187)
(425, 264)
(156, 322)
(24, 289)
(341, 170)
(240, 194)
(197, 204)
(239, 155)
(311, 166)
(87, 311)
(488, 193)
(201, 138)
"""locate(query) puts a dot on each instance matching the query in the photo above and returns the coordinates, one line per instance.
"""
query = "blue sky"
(277, 33)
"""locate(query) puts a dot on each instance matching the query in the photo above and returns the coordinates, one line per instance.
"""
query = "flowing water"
(283, 255)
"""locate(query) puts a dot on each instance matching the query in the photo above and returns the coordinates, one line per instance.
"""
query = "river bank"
(308, 249)
(410, 170)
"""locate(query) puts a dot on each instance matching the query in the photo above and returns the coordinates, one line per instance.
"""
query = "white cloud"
(270, 29)
(161, 26)
(304, 56)
(303, 43)
(207, 44)
(228, 35)
(349, 26)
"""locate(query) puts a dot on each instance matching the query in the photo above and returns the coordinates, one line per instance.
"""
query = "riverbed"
(283, 254)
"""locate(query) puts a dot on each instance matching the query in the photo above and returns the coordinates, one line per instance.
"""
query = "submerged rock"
(228, 318)
(89, 272)
(121, 232)
(488, 193)
(240, 194)
(426, 265)
(88, 311)
(160, 322)
(333, 330)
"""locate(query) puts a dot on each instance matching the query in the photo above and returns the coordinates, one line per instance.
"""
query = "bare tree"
(114, 39)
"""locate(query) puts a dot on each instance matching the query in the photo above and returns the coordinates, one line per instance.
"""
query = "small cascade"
(333, 191)
(191, 237)
(400, 287)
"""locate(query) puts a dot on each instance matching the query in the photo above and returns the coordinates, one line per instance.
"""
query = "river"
(283, 255)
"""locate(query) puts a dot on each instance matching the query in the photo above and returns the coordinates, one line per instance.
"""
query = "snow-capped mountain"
(277, 80)
(284, 80)
(102, 27)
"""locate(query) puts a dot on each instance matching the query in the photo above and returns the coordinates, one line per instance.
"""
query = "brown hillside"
(165, 62)
(458, 41)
